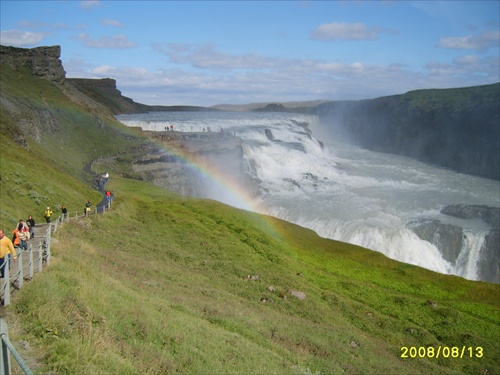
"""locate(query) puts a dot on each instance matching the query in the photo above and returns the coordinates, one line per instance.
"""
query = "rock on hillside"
(453, 128)
(43, 61)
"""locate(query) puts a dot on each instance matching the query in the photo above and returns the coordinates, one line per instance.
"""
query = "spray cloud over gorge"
(388, 203)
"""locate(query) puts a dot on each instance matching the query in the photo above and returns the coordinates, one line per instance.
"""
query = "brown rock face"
(43, 61)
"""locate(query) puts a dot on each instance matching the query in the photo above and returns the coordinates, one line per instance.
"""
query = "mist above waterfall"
(453, 128)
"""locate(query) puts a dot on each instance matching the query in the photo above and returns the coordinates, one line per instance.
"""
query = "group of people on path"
(25, 230)
(22, 233)
(48, 213)
(102, 180)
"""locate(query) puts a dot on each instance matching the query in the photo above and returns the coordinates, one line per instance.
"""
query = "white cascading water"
(344, 192)
(470, 255)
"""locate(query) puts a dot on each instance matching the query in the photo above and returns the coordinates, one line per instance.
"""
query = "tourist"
(31, 226)
(21, 236)
(47, 214)
(6, 248)
(86, 211)
(64, 212)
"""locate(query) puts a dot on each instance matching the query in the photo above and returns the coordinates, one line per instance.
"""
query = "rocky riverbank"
(180, 161)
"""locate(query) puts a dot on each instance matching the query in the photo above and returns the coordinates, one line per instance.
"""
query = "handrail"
(35, 264)
(43, 255)
(4, 354)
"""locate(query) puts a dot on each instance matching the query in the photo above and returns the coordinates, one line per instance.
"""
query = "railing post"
(47, 257)
(40, 259)
(6, 278)
(20, 268)
(30, 261)
(4, 354)
(6, 346)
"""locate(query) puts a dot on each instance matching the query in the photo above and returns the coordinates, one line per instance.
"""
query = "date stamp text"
(441, 352)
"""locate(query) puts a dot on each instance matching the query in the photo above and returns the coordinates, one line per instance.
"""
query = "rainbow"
(230, 191)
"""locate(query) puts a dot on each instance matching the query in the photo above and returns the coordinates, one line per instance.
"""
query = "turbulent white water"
(343, 192)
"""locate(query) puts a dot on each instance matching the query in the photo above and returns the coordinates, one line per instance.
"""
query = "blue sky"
(209, 52)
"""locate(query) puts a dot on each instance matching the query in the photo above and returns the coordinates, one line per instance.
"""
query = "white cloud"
(89, 4)
(119, 41)
(41, 25)
(19, 38)
(207, 57)
(345, 31)
(467, 60)
(107, 71)
(481, 42)
(111, 22)
(465, 70)
(207, 76)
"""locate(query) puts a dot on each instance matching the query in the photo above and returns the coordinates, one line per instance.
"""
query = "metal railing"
(4, 352)
(28, 263)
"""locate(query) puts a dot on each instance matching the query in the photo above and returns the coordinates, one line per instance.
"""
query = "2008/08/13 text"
(441, 352)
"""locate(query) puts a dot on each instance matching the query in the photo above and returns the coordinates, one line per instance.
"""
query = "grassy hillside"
(158, 286)
(161, 283)
(49, 134)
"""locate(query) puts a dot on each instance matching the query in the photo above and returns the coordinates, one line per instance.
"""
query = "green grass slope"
(160, 283)
(49, 134)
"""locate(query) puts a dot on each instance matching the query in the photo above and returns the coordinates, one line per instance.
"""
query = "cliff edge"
(44, 62)
(453, 128)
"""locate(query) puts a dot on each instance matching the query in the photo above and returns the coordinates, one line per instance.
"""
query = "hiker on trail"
(99, 182)
(21, 236)
(87, 208)
(108, 196)
(64, 212)
(47, 214)
(6, 249)
(31, 226)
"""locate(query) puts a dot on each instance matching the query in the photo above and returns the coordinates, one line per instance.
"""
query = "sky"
(237, 52)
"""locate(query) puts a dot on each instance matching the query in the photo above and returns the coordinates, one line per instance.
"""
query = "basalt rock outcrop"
(44, 62)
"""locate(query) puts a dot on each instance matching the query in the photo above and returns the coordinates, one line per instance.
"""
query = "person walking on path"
(6, 249)
(87, 208)
(31, 226)
(21, 235)
(64, 212)
(47, 214)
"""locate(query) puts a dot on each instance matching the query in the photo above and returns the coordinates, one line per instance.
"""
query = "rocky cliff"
(453, 128)
(169, 162)
(43, 61)
(452, 242)
(104, 91)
